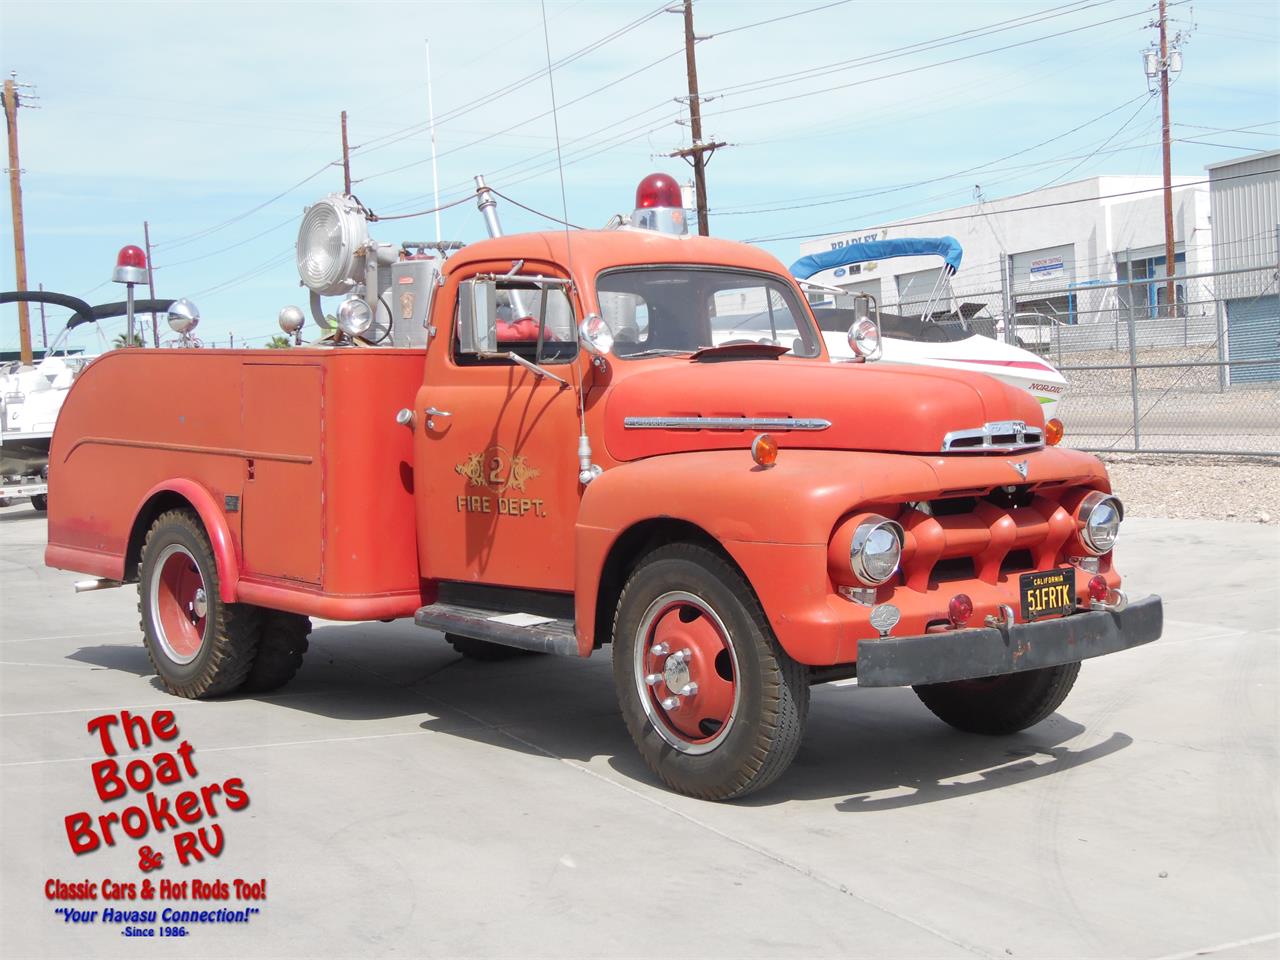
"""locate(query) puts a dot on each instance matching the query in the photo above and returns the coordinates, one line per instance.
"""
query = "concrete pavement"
(407, 803)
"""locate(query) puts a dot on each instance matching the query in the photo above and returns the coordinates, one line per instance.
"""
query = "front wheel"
(199, 645)
(715, 706)
(1000, 705)
(41, 502)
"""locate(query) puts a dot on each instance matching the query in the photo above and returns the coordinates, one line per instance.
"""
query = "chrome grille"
(998, 436)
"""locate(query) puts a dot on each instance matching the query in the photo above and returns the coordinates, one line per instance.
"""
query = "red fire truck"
(536, 445)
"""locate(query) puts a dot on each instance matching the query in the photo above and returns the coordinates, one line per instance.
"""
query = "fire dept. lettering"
(503, 506)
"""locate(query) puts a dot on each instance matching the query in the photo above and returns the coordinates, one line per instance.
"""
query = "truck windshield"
(670, 310)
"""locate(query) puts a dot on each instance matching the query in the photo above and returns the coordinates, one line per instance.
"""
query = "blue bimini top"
(946, 247)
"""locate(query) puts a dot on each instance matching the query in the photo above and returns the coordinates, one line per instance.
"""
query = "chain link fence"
(1189, 367)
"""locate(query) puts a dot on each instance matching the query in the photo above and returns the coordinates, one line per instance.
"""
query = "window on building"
(1149, 297)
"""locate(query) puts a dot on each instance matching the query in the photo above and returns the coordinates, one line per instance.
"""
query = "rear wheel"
(199, 645)
(713, 703)
(41, 502)
(1000, 705)
(280, 649)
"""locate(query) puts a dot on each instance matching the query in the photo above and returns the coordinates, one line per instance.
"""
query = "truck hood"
(893, 409)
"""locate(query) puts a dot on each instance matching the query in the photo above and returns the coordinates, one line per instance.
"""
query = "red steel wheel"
(686, 672)
(179, 604)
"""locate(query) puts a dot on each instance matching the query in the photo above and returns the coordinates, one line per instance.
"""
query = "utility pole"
(697, 152)
(11, 102)
(151, 283)
(346, 158)
(1159, 61)
(1170, 299)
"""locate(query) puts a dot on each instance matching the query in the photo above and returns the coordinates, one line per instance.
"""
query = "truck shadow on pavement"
(869, 750)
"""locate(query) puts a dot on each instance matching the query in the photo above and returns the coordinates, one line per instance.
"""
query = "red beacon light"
(131, 265)
(660, 206)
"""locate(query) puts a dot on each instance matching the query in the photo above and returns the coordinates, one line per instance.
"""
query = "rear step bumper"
(987, 652)
(546, 635)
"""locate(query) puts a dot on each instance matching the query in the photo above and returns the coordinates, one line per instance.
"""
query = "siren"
(660, 206)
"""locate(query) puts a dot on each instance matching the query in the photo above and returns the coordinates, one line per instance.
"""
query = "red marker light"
(658, 190)
(131, 256)
(131, 265)
(1098, 589)
(960, 609)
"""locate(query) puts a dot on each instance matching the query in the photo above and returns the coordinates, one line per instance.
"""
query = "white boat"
(947, 338)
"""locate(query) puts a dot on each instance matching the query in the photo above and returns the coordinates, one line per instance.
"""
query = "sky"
(218, 122)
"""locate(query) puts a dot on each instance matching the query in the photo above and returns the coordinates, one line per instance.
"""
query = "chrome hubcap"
(686, 671)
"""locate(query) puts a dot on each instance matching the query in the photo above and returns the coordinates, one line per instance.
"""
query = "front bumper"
(989, 652)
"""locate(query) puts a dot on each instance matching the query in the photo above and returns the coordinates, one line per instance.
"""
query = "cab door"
(496, 444)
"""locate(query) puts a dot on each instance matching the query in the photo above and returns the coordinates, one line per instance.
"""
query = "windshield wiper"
(653, 352)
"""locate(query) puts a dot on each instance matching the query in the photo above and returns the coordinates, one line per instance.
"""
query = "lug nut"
(660, 649)
(670, 703)
(689, 689)
(653, 679)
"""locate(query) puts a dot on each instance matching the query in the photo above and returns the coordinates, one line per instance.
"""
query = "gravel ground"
(1211, 488)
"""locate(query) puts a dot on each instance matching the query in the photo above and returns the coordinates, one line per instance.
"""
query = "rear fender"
(212, 518)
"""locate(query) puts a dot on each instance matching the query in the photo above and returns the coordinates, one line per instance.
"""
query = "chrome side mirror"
(478, 314)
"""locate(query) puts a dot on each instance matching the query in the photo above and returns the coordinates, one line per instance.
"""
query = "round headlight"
(864, 338)
(875, 550)
(354, 316)
(595, 335)
(333, 236)
(1099, 516)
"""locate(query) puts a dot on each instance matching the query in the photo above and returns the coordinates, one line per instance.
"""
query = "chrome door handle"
(431, 413)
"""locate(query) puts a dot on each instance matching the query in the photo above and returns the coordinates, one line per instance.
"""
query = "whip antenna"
(431, 116)
(587, 471)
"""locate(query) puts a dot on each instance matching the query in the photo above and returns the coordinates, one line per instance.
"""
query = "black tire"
(280, 650)
(997, 706)
(484, 650)
(761, 738)
(41, 502)
(229, 635)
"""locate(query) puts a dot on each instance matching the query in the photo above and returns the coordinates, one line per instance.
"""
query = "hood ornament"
(1021, 466)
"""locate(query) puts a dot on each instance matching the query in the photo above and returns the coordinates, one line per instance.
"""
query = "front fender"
(776, 522)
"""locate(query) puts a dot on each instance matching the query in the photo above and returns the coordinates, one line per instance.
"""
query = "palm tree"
(123, 340)
(279, 343)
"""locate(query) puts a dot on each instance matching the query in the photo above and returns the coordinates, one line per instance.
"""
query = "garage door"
(1253, 333)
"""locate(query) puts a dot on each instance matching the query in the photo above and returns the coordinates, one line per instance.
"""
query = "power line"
(785, 16)
(1085, 159)
(1037, 206)
(546, 113)
(828, 199)
(379, 143)
(201, 234)
(882, 56)
(927, 66)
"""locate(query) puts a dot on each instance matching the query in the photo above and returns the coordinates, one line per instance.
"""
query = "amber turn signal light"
(1053, 431)
(764, 450)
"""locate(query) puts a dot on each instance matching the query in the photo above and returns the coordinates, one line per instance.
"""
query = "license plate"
(1047, 593)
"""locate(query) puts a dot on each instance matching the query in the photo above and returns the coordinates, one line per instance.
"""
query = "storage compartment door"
(282, 508)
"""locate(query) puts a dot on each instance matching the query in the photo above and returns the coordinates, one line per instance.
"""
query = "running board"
(521, 630)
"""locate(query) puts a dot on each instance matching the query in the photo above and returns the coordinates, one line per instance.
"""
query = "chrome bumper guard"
(988, 652)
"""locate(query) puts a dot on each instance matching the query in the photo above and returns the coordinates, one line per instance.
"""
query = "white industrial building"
(1045, 246)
